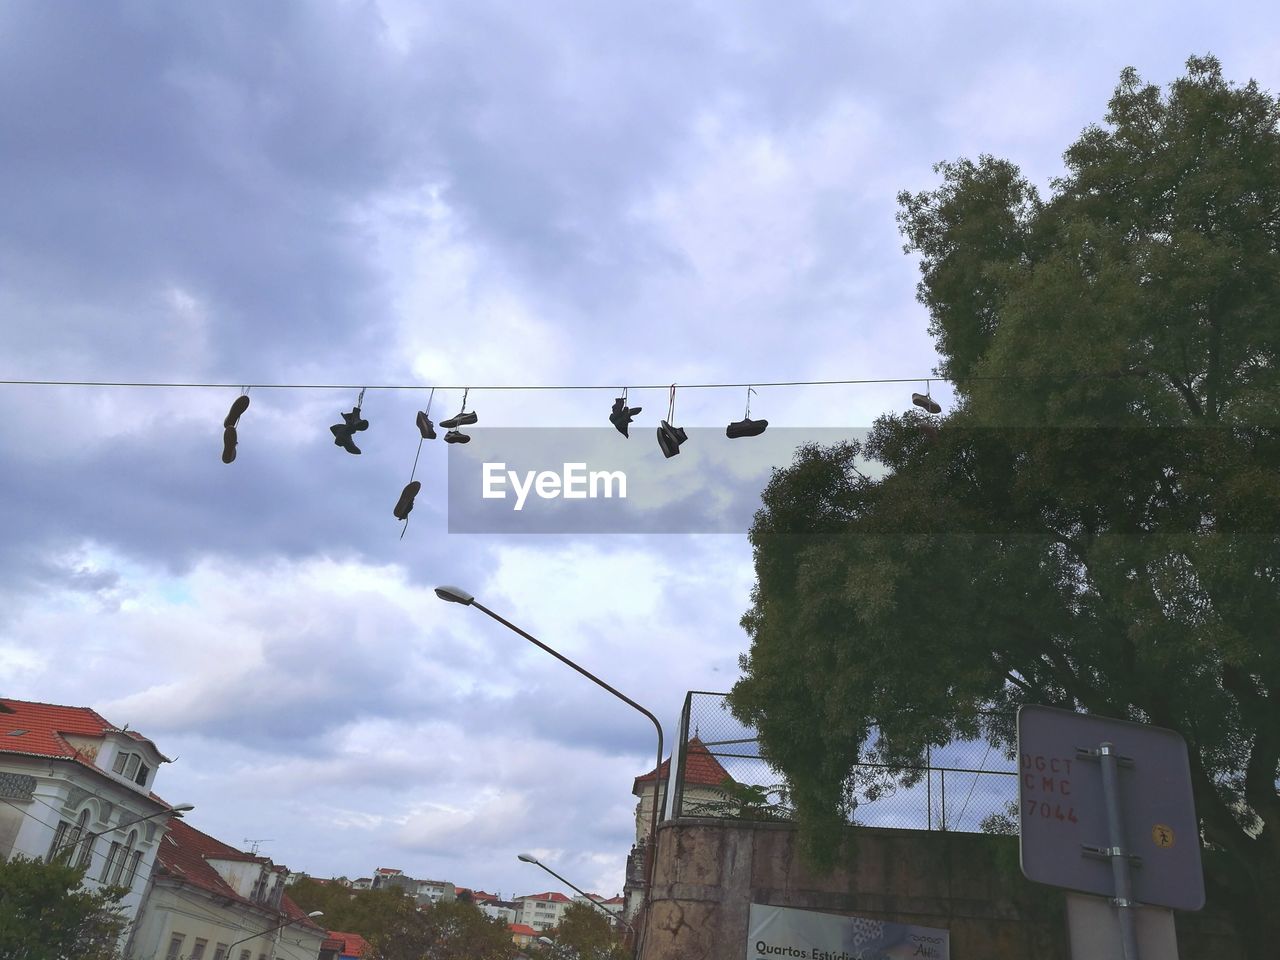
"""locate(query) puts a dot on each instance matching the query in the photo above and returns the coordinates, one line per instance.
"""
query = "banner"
(780, 932)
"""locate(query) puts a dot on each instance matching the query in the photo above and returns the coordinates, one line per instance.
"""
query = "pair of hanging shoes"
(343, 433)
(229, 439)
(670, 438)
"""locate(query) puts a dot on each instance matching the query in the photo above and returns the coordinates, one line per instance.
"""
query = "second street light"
(458, 595)
(530, 858)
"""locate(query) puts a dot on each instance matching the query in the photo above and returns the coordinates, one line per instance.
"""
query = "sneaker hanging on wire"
(746, 427)
(405, 504)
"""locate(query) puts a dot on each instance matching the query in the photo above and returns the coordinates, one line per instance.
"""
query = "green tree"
(1094, 524)
(445, 931)
(370, 913)
(585, 933)
(46, 915)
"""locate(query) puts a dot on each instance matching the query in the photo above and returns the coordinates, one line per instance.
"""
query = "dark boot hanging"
(622, 414)
(344, 433)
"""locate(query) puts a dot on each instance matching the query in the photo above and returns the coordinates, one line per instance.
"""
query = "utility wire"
(561, 386)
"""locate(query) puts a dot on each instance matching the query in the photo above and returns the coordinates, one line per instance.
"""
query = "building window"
(123, 859)
(197, 950)
(111, 861)
(143, 772)
(220, 952)
(59, 836)
(118, 766)
(244, 955)
(175, 945)
(134, 862)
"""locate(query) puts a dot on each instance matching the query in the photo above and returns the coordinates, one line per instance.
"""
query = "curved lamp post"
(530, 858)
(458, 595)
(177, 810)
(279, 926)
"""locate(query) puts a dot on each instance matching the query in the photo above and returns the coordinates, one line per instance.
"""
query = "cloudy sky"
(395, 192)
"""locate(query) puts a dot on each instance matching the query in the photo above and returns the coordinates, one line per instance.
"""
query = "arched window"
(85, 838)
(132, 874)
(124, 858)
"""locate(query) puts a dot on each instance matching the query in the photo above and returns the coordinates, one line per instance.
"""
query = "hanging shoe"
(425, 427)
(343, 432)
(670, 438)
(463, 419)
(455, 436)
(405, 503)
(238, 406)
(622, 414)
(926, 402)
(228, 444)
(745, 428)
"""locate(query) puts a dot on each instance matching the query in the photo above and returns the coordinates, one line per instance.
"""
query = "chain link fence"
(968, 786)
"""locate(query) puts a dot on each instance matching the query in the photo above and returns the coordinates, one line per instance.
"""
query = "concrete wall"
(709, 871)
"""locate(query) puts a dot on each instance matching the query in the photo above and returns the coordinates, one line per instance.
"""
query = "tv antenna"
(255, 844)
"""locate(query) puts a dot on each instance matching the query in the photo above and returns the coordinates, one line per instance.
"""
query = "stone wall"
(708, 872)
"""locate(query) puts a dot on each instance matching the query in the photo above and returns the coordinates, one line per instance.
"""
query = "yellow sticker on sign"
(1162, 836)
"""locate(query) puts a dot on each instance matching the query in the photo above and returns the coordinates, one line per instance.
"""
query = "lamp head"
(178, 809)
(528, 858)
(316, 913)
(455, 595)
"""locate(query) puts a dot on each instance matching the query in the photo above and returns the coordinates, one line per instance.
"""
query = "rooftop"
(700, 768)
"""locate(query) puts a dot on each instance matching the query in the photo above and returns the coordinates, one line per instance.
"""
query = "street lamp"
(530, 858)
(458, 595)
(177, 811)
(313, 914)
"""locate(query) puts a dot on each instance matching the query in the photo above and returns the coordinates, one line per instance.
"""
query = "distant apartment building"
(435, 891)
(542, 911)
(76, 786)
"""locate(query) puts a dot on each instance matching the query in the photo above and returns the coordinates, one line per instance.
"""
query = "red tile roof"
(36, 729)
(184, 857)
(553, 897)
(522, 928)
(700, 768)
(353, 945)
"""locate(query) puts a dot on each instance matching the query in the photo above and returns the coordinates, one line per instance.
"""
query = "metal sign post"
(1117, 853)
(1106, 809)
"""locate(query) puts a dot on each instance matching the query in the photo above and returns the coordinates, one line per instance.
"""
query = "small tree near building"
(45, 913)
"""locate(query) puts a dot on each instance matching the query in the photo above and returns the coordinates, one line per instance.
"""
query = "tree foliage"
(447, 931)
(370, 913)
(46, 914)
(585, 933)
(1094, 524)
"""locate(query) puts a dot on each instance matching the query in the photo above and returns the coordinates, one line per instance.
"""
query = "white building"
(542, 911)
(77, 786)
(435, 891)
(209, 901)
